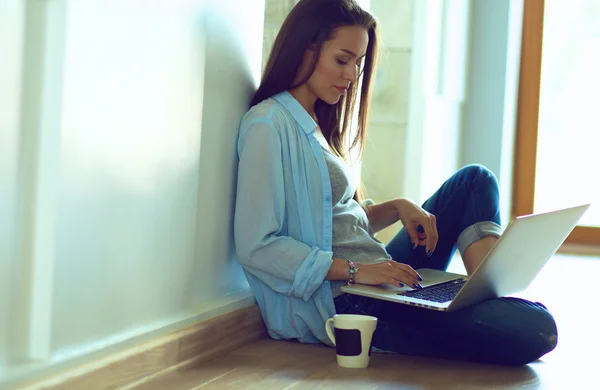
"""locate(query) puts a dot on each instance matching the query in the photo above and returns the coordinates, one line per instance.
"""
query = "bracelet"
(352, 271)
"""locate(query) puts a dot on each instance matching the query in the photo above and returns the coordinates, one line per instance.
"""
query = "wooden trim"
(580, 249)
(199, 342)
(585, 235)
(528, 108)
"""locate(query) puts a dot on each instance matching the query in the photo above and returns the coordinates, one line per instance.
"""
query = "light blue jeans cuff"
(476, 232)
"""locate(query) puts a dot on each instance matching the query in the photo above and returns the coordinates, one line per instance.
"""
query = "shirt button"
(327, 198)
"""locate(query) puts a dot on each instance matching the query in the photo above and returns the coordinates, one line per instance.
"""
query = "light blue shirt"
(283, 219)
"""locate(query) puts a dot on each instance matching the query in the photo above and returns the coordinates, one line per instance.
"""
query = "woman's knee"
(484, 191)
(479, 175)
(519, 331)
(534, 335)
(542, 337)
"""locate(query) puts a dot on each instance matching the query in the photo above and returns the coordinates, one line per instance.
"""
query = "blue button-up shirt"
(283, 219)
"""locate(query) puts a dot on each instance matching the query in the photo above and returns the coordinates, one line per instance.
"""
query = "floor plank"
(567, 286)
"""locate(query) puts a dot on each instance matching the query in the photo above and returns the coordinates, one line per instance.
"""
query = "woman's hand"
(387, 272)
(419, 224)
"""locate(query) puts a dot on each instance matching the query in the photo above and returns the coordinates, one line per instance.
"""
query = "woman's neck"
(305, 97)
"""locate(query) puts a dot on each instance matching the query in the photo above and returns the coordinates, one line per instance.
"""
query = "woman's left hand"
(412, 216)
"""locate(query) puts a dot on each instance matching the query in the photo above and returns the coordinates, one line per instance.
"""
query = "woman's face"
(339, 64)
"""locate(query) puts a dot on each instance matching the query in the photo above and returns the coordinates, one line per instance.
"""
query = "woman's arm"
(411, 215)
(284, 264)
(388, 272)
(340, 270)
(382, 215)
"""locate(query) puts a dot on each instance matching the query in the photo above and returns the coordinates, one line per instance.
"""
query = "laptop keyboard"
(442, 292)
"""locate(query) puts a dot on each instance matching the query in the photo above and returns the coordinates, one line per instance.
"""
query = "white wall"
(11, 22)
(440, 47)
(383, 165)
(232, 73)
(125, 223)
(489, 115)
(127, 171)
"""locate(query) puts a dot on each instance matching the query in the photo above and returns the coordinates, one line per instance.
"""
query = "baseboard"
(202, 341)
(580, 249)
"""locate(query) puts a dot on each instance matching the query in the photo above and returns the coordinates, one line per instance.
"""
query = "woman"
(302, 229)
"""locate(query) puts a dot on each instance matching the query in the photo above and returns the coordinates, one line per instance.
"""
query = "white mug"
(352, 338)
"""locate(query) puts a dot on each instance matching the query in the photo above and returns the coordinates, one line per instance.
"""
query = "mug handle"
(328, 328)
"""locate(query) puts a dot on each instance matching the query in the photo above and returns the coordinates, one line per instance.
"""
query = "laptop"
(511, 265)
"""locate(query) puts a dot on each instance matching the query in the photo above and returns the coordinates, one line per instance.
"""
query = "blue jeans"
(502, 331)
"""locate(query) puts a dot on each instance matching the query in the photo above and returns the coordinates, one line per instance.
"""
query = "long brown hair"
(310, 24)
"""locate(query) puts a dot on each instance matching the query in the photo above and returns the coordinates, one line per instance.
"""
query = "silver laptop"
(511, 265)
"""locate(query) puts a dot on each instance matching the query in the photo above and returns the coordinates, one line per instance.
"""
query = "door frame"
(527, 121)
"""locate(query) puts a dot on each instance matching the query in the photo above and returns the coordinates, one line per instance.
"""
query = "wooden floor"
(269, 364)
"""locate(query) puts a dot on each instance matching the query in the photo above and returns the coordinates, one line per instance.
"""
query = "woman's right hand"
(387, 272)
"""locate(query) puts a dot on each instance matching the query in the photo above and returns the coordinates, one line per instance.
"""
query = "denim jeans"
(506, 330)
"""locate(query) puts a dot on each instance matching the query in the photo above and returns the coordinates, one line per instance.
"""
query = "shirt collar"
(303, 118)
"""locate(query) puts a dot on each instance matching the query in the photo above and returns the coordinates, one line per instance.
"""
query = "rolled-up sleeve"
(281, 262)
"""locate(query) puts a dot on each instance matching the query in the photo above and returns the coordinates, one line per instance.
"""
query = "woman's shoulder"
(269, 111)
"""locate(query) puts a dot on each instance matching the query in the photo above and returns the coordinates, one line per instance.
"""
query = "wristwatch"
(352, 271)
